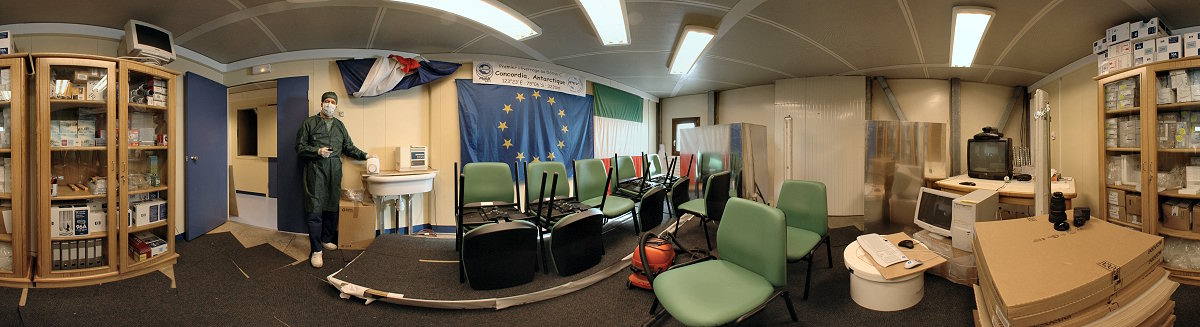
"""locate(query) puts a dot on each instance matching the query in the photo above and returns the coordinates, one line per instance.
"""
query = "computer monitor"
(145, 40)
(989, 159)
(935, 211)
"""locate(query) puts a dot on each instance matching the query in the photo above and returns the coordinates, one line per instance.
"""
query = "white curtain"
(623, 137)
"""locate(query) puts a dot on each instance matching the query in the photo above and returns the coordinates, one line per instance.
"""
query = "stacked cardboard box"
(1033, 275)
(1116, 205)
(1131, 44)
(960, 265)
(1121, 94)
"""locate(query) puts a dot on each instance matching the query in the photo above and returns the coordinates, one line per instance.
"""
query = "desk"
(1013, 192)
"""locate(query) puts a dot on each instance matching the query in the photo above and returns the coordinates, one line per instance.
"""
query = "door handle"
(193, 158)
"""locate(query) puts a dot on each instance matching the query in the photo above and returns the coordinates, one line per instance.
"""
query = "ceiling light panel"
(608, 18)
(490, 13)
(691, 44)
(969, 24)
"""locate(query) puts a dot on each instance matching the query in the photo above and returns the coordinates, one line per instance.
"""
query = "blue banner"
(513, 124)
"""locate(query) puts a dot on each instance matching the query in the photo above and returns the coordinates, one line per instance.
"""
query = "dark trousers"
(322, 228)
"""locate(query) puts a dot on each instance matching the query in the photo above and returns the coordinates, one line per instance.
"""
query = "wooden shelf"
(65, 193)
(170, 255)
(1126, 188)
(1125, 111)
(1184, 234)
(5, 196)
(147, 147)
(1174, 193)
(1178, 106)
(149, 190)
(1124, 149)
(5, 150)
(5, 103)
(57, 104)
(146, 107)
(78, 148)
(5, 237)
(1122, 223)
(1193, 151)
(135, 229)
(81, 270)
(80, 237)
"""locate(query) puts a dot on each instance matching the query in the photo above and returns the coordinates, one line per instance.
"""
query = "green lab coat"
(323, 176)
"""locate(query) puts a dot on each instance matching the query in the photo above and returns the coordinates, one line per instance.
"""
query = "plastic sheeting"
(1181, 253)
(739, 148)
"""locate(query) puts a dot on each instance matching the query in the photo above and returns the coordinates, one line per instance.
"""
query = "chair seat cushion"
(800, 242)
(614, 206)
(710, 293)
(695, 207)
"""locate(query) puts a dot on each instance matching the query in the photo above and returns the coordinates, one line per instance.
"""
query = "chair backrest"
(716, 193)
(753, 236)
(624, 170)
(500, 255)
(711, 162)
(680, 195)
(651, 210)
(533, 179)
(805, 205)
(655, 162)
(487, 182)
(576, 242)
(589, 178)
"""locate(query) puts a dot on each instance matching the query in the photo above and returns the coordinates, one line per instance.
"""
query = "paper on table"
(918, 252)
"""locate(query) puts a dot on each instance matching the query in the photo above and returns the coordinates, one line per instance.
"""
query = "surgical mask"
(327, 109)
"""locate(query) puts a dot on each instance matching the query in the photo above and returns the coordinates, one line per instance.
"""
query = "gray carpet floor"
(220, 283)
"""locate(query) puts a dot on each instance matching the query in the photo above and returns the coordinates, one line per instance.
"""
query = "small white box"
(1120, 48)
(1192, 175)
(1143, 52)
(1147, 29)
(1120, 62)
(1168, 48)
(1191, 44)
(6, 43)
(1118, 34)
(1099, 46)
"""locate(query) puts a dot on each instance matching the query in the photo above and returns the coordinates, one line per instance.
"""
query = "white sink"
(385, 185)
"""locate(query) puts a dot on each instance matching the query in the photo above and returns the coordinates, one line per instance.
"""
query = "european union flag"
(510, 124)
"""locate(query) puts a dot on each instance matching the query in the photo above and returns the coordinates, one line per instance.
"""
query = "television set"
(149, 41)
(935, 211)
(989, 159)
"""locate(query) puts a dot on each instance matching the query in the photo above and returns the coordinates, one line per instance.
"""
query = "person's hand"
(324, 152)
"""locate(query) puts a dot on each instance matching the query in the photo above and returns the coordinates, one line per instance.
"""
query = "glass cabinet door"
(145, 161)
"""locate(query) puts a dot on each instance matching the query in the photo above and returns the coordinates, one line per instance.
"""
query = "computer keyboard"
(885, 253)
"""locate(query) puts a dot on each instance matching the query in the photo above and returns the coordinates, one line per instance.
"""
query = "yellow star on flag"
(504, 125)
(550, 156)
(537, 94)
(521, 97)
(520, 156)
(535, 159)
(507, 143)
(561, 113)
(507, 108)
(564, 129)
(551, 101)
(560, 144)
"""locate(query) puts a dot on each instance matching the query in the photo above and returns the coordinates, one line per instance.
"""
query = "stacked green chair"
(499, 255)
(591, 180)
(486, 194)
(575, 242)
(751, 271)
(805, 205)
(712, 205)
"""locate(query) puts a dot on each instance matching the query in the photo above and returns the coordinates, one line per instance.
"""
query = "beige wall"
(250, 173)
(679, 107)
(1075, 139)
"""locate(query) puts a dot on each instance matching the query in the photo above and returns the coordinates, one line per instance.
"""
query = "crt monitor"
(145, 40)
(935, 211)
(989, 159)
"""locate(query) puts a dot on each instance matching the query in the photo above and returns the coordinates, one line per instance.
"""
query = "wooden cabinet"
(1169, 140)
(15, 270)
(91, 161)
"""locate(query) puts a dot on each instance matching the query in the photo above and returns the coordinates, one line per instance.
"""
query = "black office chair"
(576, 243)
(499, 255)
(651, 213)
(710, 208)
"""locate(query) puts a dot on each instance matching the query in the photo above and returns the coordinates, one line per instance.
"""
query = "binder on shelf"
(55, 256)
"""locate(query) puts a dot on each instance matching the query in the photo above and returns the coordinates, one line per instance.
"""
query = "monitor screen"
(989, 157)
(935, 208)
(153, 37)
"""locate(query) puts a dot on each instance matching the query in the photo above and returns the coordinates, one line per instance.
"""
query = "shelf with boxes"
(147, 164)
(15, 268)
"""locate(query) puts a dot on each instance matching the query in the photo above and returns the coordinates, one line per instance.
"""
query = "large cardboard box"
(1195, 218)
(1033, 269)
(356, 225)
(1177, 214)
(1133, 204)
(1116, 213)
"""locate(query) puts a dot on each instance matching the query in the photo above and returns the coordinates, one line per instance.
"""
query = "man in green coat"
(321, 142)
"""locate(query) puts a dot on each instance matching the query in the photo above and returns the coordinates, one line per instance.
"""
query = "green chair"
(712, 205)
(486, 193)
(710, 163)
(751, 271)
(534, 185)
(590, 182)
(628, 184)
(805, 205)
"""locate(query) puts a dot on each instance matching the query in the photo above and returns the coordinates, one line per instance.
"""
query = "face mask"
(327, 109)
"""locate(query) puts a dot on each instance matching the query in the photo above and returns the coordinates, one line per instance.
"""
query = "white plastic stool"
(871, 291)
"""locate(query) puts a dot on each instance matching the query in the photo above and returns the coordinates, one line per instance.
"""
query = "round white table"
(870, 290)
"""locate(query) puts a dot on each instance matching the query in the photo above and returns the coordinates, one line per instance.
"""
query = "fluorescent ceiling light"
(689, 47)
(490, 13)
(970, 23)
(608, 19)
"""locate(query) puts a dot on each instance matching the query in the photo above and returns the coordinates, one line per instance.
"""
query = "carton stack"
(1116, 205)
(1033, 275)
(960, 265)
(1121, 94)
(1132, 44)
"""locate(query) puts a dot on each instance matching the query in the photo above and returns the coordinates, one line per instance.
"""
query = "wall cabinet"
(15, 259)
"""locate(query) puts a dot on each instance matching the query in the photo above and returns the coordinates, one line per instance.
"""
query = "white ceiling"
(761, 41)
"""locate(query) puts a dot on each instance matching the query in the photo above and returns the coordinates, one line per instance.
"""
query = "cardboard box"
(1023, 264)
(1177, 214)
(1118, 34)
(1102, 63)
(1133, 205)
(1077, 314)
(356, 225)
(1195, 219)
(1191, 44)
(1147, 29)
(1168, 48)
(1100, 46)
(1116, 197)
(1116, 212)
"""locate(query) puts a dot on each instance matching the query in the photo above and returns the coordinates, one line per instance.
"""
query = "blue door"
(206, 174)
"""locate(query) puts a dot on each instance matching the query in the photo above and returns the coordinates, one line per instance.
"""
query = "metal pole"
(1041, 142)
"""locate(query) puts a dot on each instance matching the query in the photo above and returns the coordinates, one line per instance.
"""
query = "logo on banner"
(484, 71)
(574, 85)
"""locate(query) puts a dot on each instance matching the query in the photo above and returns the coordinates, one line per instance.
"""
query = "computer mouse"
(907, 244)
(967, 183)
(912, 263)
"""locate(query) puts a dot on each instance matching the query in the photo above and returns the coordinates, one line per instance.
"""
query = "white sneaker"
(329, 246)
(316, 260)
